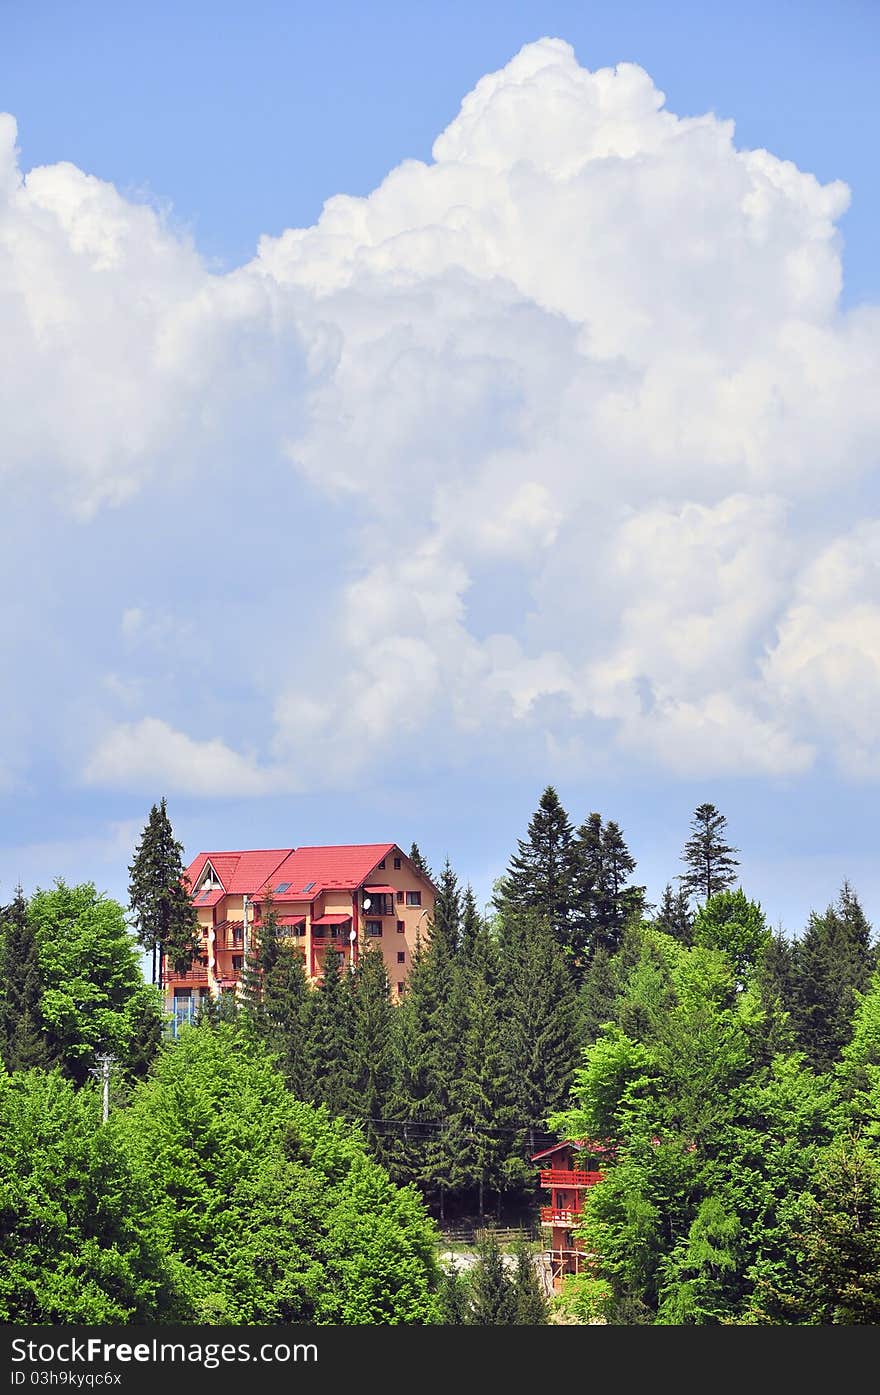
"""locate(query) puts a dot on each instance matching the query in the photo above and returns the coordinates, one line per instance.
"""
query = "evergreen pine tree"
(540, 874)
(446, 920)
(471, 923)
(529, 1304)
(674, 916)
(480, 1120)
(832, 963)
(371, 1052)
(493, 1299)
(23, 1040)
(289, 1006)
(603, 898)
(597, 995)
(415, 1104)
(260, 961)
(165, 918)
(416, 857)
(333, 1035)
(538, 1009)
(709, 859)
(454, 1296)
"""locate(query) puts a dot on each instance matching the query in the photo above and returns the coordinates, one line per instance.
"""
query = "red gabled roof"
(240, 872)
(341, 868)
(344, 867)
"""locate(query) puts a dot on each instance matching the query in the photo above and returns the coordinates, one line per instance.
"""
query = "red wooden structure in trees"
(567, 1169)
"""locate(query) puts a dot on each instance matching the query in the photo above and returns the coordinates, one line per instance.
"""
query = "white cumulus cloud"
(585, 373)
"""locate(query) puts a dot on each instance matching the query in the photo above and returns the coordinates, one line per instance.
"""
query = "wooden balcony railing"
(195, 975)
(551, 1216)
(558, 1177)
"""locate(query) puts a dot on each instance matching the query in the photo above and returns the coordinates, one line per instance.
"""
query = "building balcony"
(551, 1215)
(198, 975)
(559, 1177)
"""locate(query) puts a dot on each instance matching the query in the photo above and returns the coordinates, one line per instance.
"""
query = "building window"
(401, 956)
(400, 898)
(401, 927)
(413, 898)
(238, 936)
(397, 864)
(374, 927)
(400, 986)
(237, 962)
(381, 864)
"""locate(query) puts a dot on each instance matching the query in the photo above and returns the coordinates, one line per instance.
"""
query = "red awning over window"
(331, 920)
(379, 890)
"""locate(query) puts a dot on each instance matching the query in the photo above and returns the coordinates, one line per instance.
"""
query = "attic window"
(308, 886)
(381, 864)
(281, 888)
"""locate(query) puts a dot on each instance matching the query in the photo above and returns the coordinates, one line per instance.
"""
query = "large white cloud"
(590, 358)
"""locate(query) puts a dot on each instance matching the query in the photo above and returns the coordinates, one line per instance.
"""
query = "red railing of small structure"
(558, 1177)
(550, 1215)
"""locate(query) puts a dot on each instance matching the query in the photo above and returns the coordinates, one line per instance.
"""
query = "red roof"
(208, 898)
(240, 872)
(341, 868)
(381, 890)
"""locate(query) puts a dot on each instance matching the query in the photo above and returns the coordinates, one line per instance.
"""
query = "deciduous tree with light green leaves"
(94, 998)
(271, 1211)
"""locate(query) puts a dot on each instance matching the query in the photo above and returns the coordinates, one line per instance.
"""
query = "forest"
(290, 1157)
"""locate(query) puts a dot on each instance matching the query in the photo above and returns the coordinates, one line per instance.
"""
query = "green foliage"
(730, 922)
(23, 1040)
(674, 915)
(493, 1299)
(540, 874)
(833, 1247)
(332, 1035)
(833, 963)
(709, 1140)
(270, 1211)
(603, 900)
(93, 995)
(72, 1241)
(709, 859)
(164, 916)
(371, 1061)
(530, 1308)
(537, 1021)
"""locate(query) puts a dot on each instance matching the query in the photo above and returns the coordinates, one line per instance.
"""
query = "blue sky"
(552, 460)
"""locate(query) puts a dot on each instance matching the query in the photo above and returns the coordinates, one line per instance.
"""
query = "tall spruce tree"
(23, 1041)
(604, 899)
(333, 1035)
(541, 1031)
(539, 876)
(493, 1299)
(471, 924)
(832, 963)
(674, 916)
(480, 1122)
(709, 859)
(289, 1014)
(530, 1308)
(371, 1058)
(446, 919)
(164, 916)
(416, 857)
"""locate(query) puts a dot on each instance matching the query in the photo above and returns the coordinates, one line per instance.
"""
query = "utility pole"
(102, 1071)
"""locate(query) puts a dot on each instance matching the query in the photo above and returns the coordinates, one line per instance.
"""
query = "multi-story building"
(567, 1170)
(350, 896)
